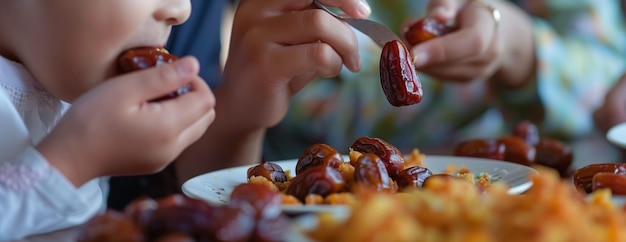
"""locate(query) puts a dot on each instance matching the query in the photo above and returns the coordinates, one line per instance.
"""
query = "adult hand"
(613, 110)
(481, 48)
(114, 129)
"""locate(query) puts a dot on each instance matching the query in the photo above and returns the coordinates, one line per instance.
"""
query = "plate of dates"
(215, 187)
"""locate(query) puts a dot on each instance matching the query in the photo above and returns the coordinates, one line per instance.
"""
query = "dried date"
(583, 177)
(321, 180)
(527, 131)
(398, 77)
(145, 57)
(264, 202)
(271, 171)
(615, 182)
(413, 176)
(316, 155)
(554, 154)
(371, 172)
(426, 29)
(517, 150)
(178, 214)
(481, 148)
(110, 226)
(389, 154)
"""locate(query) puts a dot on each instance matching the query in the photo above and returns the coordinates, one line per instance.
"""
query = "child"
(64, 49)
(52, 156)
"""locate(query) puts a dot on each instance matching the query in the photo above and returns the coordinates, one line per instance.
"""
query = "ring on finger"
(495, 13)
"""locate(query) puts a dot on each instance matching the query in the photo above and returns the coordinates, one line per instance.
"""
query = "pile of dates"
(253, 214)
(380, 167)
(601, 176)
(524, 146)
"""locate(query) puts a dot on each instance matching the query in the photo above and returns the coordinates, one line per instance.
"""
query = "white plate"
(617, 135)
(215, 187)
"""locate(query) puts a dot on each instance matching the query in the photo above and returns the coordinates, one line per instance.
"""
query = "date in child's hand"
(116, 128)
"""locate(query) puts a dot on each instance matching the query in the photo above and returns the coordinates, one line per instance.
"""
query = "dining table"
(593, 148)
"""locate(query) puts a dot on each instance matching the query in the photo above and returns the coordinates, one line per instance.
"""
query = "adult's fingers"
(459, 72)
(354, 8)
(313, 26)
(443, 9)
(472, 39)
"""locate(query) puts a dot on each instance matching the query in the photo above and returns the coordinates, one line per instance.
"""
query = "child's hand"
(114, 130)
(277, 47)
(613, 111)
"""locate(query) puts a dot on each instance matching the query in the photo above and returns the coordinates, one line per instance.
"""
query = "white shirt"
(35, 197)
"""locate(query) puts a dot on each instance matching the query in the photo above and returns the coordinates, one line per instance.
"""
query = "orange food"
(452, 210)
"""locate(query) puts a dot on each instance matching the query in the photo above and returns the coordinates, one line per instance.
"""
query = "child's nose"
(173, 12)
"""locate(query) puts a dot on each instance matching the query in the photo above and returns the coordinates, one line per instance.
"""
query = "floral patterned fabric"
(581, 51)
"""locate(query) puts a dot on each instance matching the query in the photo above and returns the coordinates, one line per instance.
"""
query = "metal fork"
(376, 31)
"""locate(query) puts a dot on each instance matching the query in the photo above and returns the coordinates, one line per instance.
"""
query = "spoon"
(617, 135)
(376, 31)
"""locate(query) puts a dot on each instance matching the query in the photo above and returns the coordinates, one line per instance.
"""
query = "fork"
(376, 31)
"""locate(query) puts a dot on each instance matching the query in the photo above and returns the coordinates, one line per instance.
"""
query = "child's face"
(72, 45)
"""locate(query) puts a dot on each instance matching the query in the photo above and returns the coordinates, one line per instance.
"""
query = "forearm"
(228, 142)
(518, 66)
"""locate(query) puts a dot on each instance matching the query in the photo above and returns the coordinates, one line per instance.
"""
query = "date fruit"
(554, 154)
(413, 176)
(527, 131)
(317, 155)
(269, 170)
(371, 172)
(321, 180)
(271, 224)
(264, 202)
(177, 214)
(480, 148)
(615, 182)
(583, 177)
(426, 29)
(398, 77)
(110, 226)
(517, 150)
(145, 57)
(389, 154)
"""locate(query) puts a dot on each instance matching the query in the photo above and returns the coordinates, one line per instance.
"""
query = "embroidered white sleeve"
(35, 197)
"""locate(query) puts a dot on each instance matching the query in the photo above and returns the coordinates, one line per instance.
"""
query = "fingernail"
(184, 66)
(364, 8)
(420, 58)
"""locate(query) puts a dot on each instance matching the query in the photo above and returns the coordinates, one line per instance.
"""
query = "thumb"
(157, 82)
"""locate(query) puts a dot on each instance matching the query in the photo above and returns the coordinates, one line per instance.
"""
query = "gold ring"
(495, 13)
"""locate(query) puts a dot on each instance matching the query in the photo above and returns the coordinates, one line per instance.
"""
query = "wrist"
(65, 162)
(518, 66)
